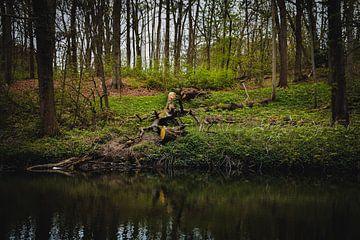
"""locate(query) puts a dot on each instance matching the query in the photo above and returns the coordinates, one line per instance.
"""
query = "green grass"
(286, 134)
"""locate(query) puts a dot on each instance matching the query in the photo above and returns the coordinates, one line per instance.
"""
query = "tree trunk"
(336, 64)
(178, 37)
(167, 38)
(135, 11)
(30, 32)
(223, 47)
(128, 32)
(7, 42)
(191, 41)
(349, 16)
(298, 41)
(313, 39)
(45, 11)
(274, 50)
(116, 82)
(99, 49)
(88, 36)
(283, 47)
(73, 34)
(158, 37)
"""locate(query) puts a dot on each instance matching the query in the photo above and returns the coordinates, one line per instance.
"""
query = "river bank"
(287, 135)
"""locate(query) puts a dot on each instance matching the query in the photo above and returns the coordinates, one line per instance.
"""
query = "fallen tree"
(118, 154)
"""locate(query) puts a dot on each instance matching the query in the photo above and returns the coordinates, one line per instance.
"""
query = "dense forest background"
(77, 53)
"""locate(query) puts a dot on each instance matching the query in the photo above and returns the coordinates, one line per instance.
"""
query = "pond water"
(181, 206)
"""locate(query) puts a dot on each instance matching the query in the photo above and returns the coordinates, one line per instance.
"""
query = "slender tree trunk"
(99, 49)
(116, 82)
(283, 45)
(230, 44)
(274, 50)
(167, 38)
(178, 38)
(7, 42)
(336, 64)
(158, 37)
(209, 35)
(73, 34)
(128, 33)
(137, 36)
(152, 34)
(194, 52)
(45, 11)
(223, 47)
(30, 32)
(191, 41)
(349, 18)
(107, 36)
(89, 42)
(313, 40)
(298, 41)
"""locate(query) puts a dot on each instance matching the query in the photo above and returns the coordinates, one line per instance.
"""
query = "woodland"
(238, 85)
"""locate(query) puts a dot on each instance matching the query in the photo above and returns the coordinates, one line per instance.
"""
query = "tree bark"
(30, 32)
(167, 38)
(223, 47)
(336, 64)
(283, 47)
(45, 11)
(99, 49)
(274, 50)
(298, 41)
(116, 82)
(7, 42)
(135, 11)
(178, 37)
(128, 33)
(73, 34)
(158, 37)
(349, 22)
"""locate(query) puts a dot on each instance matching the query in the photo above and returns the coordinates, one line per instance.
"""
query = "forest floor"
(288, 134)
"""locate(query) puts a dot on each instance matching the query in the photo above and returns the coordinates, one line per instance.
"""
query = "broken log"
(187, 94)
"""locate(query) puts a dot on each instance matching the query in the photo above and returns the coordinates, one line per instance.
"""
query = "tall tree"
(298, 41)
(225, 16)
(7, 41)
(178, 33)
(44, 11)
(158, 37)
(350, 46)
(137, 35)
(336, 64)
(167, 38)
(274, 49)
(30, 31)
(73, 36)
(116, 82)
(310, 5)
(128, 33)
(283, 47)
(99, 48)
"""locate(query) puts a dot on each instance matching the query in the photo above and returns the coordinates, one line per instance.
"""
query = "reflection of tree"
(99, 208)
(43, 217)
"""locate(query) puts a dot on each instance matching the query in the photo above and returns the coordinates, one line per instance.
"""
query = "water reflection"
(188, 206)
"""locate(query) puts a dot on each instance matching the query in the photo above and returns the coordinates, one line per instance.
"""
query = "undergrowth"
(288, 133)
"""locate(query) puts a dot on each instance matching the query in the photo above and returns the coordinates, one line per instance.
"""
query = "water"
(184, 206)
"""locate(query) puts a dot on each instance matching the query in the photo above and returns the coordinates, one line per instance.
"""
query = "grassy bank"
(286, 134)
